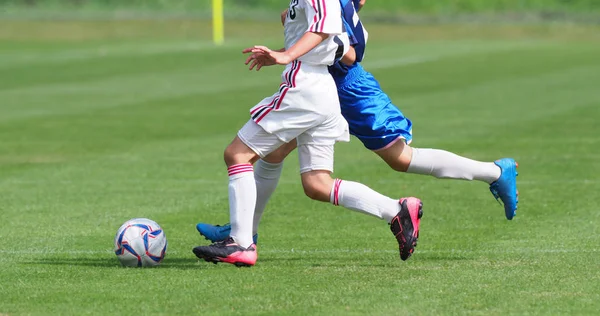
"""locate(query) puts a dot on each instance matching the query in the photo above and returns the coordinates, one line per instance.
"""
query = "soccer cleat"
(405, 225)
(227, 251)
(216, 233)
(505, 188)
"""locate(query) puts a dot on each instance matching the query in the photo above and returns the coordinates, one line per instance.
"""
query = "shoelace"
(224, 243)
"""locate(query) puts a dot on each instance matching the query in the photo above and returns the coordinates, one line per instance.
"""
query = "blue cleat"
(216, 233)
(505, 188)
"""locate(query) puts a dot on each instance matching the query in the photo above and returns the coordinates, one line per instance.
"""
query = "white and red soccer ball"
(140, 242)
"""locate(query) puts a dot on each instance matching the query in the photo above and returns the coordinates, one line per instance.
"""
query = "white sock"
(242, 198)
(266, 176)
(359, 197)
(444, 164)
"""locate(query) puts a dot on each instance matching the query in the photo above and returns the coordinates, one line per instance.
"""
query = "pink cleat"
(405, 225)
(227, 251)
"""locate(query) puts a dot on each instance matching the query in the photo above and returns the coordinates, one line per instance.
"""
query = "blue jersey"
(356, 34)
(371, 115)
(354, 27)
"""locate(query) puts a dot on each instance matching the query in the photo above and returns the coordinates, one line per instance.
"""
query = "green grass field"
(104, 121)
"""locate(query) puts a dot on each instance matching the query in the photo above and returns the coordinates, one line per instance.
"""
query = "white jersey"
(323, 16)
(306, 107)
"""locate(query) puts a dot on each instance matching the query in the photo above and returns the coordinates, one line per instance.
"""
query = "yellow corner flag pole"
(218, 33)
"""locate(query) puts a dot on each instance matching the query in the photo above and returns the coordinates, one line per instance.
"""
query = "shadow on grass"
(107, 262)
(302, 260)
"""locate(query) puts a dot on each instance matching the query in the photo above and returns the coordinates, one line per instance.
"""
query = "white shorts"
(305, 108)
(314, 152)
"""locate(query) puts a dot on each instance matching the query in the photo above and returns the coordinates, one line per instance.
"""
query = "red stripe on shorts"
(283, 93)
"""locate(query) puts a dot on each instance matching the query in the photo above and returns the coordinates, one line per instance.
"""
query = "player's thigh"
(316, 145)
(258, 140)
(281, 153)
(315, 157)
(316, 160)
(316, 152)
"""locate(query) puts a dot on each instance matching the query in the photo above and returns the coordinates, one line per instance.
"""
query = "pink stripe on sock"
(241, 171)
(336, 192)
(241, 168)
(239, 165)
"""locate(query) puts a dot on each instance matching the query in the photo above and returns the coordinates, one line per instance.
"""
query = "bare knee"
(237, 153)
(397, 156)
(398, 165)
(317, 185)
(314, 191)
(229, 155)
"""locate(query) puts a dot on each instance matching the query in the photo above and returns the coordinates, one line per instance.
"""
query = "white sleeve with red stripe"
(324, 16)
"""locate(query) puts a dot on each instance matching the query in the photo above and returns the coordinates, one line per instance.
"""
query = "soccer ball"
(140, 242)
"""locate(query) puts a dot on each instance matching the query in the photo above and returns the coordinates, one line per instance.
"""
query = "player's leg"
(251, 143)
(267, 172)
(442, 164)
(438, 163)
(316, 165)
(403, 215)
(383, 128)
(239, 158)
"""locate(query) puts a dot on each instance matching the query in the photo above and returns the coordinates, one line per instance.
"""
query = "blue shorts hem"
(376, 144)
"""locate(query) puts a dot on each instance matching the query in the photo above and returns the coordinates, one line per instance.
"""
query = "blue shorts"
(370, 113)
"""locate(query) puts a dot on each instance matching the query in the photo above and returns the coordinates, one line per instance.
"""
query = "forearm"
(350, 57)
(305, 44)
